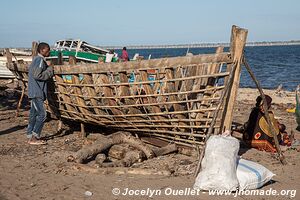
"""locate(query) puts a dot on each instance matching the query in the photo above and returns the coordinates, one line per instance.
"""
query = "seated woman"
(257, 132)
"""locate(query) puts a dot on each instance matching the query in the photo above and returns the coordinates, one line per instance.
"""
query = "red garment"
(124, 56)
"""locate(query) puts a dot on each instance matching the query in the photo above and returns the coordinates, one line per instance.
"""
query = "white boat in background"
(4, 71)
(21, 52)
(81, 50)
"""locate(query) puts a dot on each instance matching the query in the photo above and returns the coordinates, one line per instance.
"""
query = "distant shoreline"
(196, 45)
(204, 45)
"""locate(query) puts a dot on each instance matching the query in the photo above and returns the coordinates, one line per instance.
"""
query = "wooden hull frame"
(176, 106)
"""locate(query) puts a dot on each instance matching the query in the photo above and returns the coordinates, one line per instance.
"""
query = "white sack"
(252, 175)
(218, 167)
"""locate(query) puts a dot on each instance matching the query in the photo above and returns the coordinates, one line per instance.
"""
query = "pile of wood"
(120, 149)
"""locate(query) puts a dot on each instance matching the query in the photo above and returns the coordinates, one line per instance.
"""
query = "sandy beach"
(42, 172)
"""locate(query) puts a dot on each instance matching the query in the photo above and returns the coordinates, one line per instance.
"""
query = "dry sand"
(41, 172)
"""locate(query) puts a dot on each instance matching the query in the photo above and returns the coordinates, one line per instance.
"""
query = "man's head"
(124, 48)
(43, 49)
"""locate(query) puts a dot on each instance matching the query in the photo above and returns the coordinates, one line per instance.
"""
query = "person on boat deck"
(39, 74)
(124, 55)
(109, 56)
(256, 133)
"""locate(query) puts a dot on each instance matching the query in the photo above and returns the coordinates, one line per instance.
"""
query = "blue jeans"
(37, 118)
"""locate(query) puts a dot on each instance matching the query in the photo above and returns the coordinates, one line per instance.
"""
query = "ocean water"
(272, 65)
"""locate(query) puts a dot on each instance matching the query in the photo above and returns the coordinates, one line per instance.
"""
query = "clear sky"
(136, 22)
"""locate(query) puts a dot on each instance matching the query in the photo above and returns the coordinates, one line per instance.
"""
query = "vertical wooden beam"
(60, 60)
(124, 90)
(170, 85)
(59, 125)
(80, 101)
(34, 49)
(237, 44)
(92, 92)
(8, 56)
(151, 99)
(9, 61)
(82, 130)
(108, 92)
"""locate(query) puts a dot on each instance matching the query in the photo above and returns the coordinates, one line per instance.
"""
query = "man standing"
(39, 73)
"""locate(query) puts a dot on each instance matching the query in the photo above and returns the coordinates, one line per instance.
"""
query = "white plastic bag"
(252, 175)
(218, 167)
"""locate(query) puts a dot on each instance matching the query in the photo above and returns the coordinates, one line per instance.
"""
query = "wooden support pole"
(8, 56)
(9, 61)
(60, 60)
(59, 126)
(265, 106)
(82, 130)
(238, 41)
(34, 49)
(21, 99)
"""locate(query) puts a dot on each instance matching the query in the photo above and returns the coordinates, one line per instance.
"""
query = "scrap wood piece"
(165, 150)
(100, 158)
(121, 170)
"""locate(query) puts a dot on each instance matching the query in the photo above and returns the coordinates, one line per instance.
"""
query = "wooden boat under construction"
(186, 97)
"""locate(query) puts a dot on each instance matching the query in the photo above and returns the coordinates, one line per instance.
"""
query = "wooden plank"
(207, 83)
(66, 98)
(108, 92)
(93, 101)
(8, 57)
(149, 91)
(143, 65)
(152, 95)
(125, 91)
(238, 41)
(83, 133)
(186, 78)
(171, 88)
(77, 90)
(34, 49)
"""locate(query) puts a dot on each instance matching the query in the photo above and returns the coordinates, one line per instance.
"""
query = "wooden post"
(82, 131)
(34, 49)
(8, 56)
(266, 110)
(238, 41)
(60, 60)
(59, 126)
(9, 61)
(72, 61)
